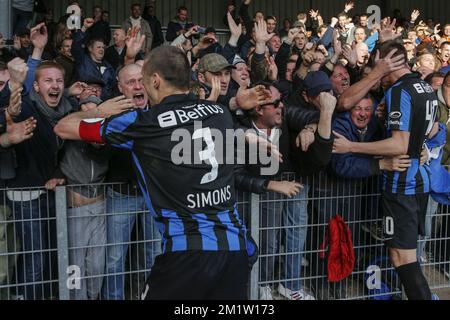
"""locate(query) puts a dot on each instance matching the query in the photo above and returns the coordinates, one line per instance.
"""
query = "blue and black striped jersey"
(189, 192)
(411, 105)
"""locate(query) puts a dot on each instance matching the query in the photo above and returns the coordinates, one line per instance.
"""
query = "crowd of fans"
(318, 81)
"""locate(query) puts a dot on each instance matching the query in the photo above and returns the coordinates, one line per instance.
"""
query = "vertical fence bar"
(62, 241)
(254, 228)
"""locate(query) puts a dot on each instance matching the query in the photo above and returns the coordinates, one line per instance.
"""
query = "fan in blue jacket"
(93, 64)
(439, 176)
(360, 125)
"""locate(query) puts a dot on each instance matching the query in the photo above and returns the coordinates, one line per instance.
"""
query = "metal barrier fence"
(99, 242)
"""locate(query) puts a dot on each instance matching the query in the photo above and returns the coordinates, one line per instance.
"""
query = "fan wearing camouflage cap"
(214, 75)
(212, 69)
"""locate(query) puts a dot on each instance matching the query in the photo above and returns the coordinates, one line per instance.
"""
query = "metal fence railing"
(99, 242)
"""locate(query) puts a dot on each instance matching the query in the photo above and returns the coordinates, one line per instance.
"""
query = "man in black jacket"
(155, 24)
(116, 53)
(100, 29)
(313, 129)
(124, 195)
(33, 208)
(66, 60)
(179, 25)
(11, 134)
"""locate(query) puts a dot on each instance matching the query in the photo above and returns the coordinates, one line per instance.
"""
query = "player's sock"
(414, 282)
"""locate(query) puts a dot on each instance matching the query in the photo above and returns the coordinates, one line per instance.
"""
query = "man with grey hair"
(123, 195)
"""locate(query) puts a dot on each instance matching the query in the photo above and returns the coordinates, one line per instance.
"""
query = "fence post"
(254, 228)
(62, 241)
(6, 19)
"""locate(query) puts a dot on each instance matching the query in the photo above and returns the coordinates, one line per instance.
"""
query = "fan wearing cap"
(94, 86)
(214, 47)
(213, 66)
(215, 71)
(314, 84)
(240, 74)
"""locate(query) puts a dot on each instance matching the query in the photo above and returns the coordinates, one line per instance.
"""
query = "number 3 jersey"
(175, 147)
(411, 106)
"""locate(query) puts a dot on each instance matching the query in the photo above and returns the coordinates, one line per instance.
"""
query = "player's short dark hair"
(182, 8)
(271, 18)
(171, 64)
(135, 5)
(388, 46)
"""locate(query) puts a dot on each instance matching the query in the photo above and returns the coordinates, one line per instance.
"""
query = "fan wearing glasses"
(303, 137)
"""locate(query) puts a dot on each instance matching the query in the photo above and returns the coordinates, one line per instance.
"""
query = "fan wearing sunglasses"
(280, 125)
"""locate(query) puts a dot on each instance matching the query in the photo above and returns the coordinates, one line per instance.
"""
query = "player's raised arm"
(73, 127)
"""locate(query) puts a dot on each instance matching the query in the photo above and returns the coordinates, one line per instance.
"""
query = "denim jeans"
(38, 234)
(295, 221)
(122, 212)
(87, 239)
(269, 223)
(431, 211)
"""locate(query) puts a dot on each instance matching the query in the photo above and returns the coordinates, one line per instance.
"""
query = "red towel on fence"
(340, 254)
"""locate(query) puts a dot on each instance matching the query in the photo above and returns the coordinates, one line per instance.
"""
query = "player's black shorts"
(198, 275)
(403, 219)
